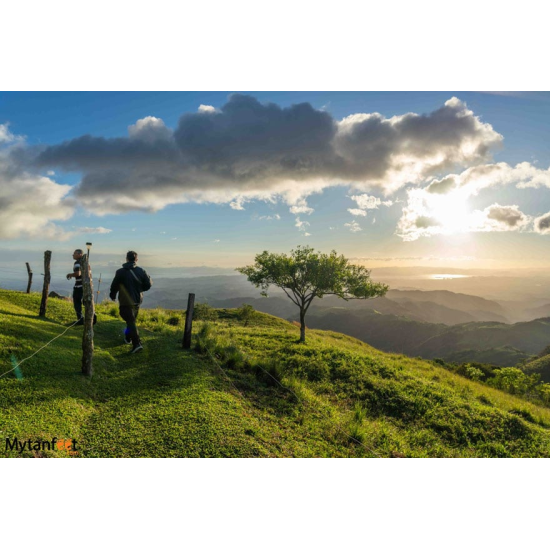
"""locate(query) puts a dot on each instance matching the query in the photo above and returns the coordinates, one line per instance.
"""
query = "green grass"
(340, 397)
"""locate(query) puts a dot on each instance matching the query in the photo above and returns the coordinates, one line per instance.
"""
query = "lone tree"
(305, 274)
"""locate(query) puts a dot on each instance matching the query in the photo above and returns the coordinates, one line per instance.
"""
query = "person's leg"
(128, 314)
(77, 302)
(136, 337)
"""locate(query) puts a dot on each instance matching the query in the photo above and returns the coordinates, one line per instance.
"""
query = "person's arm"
(115, 287)
(146, 281)
(75, 273)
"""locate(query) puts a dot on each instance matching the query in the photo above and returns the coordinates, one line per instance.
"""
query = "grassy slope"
(170, 402)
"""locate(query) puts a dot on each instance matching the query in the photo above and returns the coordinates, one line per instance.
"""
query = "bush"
(513, 380)
(474, 373)
(174, 320)
(246, 313)
(204, 312)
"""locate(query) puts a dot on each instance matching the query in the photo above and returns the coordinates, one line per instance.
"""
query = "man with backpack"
(130, 282)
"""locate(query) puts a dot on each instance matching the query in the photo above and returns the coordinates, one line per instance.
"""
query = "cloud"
(269, 218)
(354, 227)
(443, 186)
(237, 204)
(542, 224)
(367, 202)
(426, 215)
(29, 202)
(100, 230)
(506, 215)
(7, 137)
(303, 209)
(302, 226)
(499, 218)
(442, 206)
(476, 178)
(357, 212)
(150, 130)
(261, 151)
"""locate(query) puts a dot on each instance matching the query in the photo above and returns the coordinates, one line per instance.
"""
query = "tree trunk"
(302, 325)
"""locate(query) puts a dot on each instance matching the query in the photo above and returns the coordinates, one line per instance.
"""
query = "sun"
(451, 211)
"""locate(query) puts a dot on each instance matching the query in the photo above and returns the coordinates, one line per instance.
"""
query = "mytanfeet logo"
(55, 444)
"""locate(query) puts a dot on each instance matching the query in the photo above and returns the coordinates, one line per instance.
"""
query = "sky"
(457, 179)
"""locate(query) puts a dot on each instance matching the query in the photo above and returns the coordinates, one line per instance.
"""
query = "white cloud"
(367, 202)
(29, 203)
(301, 225)
(207, 109)
(99, 230)
(269, 218)
(357, 212)
(354, 227)
(237, 204)
(304, 209)
(442, 206)
(150, 130)
(7, 137)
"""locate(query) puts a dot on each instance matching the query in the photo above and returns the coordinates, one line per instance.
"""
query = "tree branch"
(284, 290)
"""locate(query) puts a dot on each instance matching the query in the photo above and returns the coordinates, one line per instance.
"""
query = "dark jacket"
(130, 282)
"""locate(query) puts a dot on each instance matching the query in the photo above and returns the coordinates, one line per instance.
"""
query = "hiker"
(130, 282)
(78, 291)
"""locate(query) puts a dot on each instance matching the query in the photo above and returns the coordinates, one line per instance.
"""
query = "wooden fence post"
(29, 271)
(88, 302)
(46, 287)
(188, 322)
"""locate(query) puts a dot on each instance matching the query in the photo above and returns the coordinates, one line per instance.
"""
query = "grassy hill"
(243, 391)
(498, 343)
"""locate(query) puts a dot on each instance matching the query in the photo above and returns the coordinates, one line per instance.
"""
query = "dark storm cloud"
(249, 149)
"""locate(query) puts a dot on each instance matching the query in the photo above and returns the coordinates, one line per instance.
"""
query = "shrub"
(174, 320)
(474, 373)
(246, 313)
(204, 312)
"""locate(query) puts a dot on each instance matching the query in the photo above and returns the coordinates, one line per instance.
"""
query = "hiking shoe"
(127, 340)
(80, 322)
(137, 349)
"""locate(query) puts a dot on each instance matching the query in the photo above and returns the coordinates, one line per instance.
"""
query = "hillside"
(339, 396)
(498, 343)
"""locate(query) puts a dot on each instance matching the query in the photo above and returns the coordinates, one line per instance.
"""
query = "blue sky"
(217, 234)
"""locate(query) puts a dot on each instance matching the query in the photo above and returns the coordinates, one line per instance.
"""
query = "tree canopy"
(305, 274)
